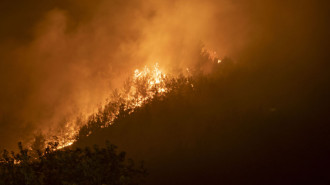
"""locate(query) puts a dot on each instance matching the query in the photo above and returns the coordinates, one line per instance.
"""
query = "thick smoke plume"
(61, 59)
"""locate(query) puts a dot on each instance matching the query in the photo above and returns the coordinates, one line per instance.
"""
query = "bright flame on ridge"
(143, 86)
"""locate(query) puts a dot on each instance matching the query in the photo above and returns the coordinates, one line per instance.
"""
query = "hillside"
(235, 125)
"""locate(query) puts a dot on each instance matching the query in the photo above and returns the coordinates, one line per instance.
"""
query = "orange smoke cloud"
(77, 51)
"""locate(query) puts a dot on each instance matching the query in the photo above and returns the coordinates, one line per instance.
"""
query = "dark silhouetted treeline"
(69, 166)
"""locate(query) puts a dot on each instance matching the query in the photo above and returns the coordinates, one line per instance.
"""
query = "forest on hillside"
(234, 125)
(154, 92)
(231, 125)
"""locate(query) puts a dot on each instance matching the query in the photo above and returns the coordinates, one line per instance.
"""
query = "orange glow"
(143, 86)
(212, 55)
(146, 84)
(65, 144)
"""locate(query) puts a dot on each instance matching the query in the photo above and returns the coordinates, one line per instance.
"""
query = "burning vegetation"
(142, 88)
(218, 117)
(138, 89)
(196, 117)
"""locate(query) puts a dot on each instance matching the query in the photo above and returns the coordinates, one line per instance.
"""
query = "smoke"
(61, 59)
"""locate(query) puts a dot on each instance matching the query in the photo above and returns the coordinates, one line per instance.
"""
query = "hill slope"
(233, 126)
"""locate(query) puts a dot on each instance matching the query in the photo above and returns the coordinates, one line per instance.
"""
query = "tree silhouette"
(70, 166)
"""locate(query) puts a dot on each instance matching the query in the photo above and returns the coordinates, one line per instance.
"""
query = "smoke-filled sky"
(61, 58)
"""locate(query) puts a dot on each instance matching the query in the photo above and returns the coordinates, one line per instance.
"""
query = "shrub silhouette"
(70, 166)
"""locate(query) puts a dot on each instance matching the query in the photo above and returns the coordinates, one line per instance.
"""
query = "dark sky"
(61, 58)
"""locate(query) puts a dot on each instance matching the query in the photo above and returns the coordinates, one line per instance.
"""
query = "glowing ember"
(69, 143)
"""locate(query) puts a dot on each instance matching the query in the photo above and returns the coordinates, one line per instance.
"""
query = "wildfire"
(155, 78)
(143, 85)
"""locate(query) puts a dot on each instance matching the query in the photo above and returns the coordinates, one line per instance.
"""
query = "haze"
(61, 59)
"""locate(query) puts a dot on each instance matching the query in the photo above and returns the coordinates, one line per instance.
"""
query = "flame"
(143, 86)
(146, 84)
(154, 77)
(66, 144)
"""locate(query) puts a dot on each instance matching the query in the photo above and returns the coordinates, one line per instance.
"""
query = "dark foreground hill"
(237, 125)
